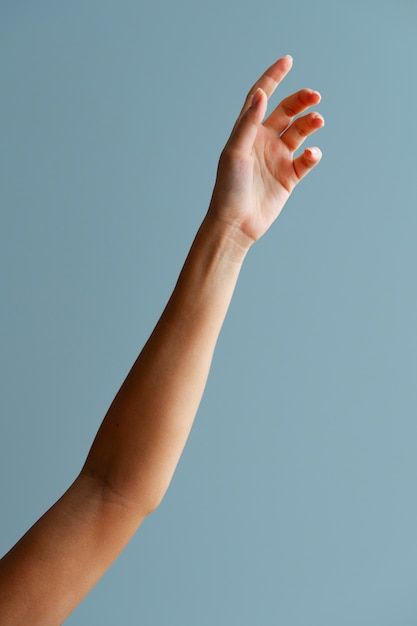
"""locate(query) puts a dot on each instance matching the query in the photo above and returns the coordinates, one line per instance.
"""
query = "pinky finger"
(304, 163)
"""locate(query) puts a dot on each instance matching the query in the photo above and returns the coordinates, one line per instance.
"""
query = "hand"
(256, 171)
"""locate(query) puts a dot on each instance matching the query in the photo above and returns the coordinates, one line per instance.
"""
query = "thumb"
(245, 130)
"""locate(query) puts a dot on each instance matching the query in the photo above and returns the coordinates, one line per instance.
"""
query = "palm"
(273, 177)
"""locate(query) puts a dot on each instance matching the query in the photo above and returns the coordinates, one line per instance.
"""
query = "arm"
(138, 445)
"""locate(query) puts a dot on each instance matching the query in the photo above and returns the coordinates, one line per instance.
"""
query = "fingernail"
(317, 116)
(256, 98)
(313, 152)
(289, 57)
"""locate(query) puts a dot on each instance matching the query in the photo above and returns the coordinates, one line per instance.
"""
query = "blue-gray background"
(295, 499)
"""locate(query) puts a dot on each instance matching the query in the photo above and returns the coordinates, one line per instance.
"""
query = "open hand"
(257, 171)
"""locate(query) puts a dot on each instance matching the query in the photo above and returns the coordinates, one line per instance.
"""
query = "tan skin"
(54, 565)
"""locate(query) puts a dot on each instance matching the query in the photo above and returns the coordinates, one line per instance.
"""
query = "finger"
(291, 106)
(245, 130)
(301, 128)
(304, 163)
(269, 80)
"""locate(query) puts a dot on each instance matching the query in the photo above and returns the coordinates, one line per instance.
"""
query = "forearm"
(142, 436)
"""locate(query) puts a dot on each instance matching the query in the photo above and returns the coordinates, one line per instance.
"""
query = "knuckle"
(288, 109)
(297, 174)
(301, 130)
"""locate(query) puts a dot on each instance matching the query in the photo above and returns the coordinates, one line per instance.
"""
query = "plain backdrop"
(295, 500)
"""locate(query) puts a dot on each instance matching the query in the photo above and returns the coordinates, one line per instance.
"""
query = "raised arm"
(137, 447)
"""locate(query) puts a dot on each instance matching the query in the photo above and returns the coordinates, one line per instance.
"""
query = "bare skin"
(54, 565)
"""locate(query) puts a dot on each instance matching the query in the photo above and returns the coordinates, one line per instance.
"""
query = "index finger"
(269, 80)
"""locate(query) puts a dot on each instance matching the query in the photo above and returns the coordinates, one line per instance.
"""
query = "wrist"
(235, 244)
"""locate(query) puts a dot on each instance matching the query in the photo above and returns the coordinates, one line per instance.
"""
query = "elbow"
(153, 503)
(112, 493)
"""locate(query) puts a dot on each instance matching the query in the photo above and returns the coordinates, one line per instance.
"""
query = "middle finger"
(301, 128)
(291, 106)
